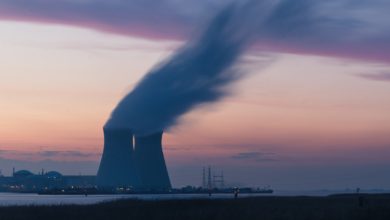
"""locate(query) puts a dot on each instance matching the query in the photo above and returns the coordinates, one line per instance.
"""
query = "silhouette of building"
(117, 167)
(27, 181)
(141, 167)
(150, 162)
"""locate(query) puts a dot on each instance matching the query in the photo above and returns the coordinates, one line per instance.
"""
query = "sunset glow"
(302, 114)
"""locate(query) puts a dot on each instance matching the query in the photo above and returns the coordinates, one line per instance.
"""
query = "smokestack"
(150, 162)
(117, 166)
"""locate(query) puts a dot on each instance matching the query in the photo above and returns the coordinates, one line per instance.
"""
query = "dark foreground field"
(312, 208)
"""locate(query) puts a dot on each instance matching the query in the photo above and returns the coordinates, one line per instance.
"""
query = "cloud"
(162, 19)
(58, 155)
(341, 28)
(66, 154)
(381, 76)
(255, 156)
(65, 167)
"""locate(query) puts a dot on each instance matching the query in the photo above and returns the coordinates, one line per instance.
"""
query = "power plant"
(140, 165)
(150, 163)
(196, 74)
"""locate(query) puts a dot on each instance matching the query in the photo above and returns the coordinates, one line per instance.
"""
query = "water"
(322, 193)
(9, 199)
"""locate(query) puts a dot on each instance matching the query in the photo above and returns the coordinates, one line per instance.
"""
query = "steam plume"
(196, 74)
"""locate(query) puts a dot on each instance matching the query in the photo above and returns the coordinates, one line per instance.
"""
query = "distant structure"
(117, 166)
(204, 185)
(219, 181)
(139, 165)
(209, 183)
(150, 162)
(27, 181)
(213, 180)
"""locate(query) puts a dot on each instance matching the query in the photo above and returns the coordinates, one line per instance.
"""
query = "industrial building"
(129, 161)
(27, 181)
(117, 166)
(135, 161)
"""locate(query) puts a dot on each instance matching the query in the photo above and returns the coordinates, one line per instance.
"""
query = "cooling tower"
(117, 167)
(150, 162)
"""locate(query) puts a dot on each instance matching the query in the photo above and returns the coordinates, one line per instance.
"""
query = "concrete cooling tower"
(150, 163)
(142, 167)
(117, 167)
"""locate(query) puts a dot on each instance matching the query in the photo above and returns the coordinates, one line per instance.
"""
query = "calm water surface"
(8, 199)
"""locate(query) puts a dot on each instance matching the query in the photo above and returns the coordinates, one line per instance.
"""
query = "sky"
(310, 113)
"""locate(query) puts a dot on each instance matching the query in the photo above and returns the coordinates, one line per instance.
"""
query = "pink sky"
(59, 84)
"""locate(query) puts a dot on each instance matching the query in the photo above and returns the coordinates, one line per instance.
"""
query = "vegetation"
(339, 207)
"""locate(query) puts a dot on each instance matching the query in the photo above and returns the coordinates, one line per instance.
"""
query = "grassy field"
(339, 207)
